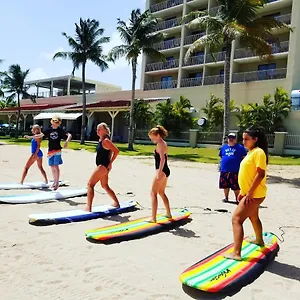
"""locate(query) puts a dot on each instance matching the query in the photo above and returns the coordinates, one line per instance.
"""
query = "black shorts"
(229, 180)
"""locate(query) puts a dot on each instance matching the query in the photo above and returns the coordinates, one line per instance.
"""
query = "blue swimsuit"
(33, 148)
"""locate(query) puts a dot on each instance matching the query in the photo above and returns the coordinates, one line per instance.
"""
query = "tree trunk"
(18, 117)
(228, 49)
(131, 121)
(83, 125)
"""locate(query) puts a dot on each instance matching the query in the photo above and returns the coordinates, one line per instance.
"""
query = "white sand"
(56, 262)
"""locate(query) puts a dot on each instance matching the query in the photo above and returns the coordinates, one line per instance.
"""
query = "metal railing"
(276, 48)
(292, 141)
(168, 44)
(165, 5)
(259, 75)
(220, 56)
(214, 10)
(161, 85)
(189, 82)
(210, 137)
(210, 80)
(194, 60)
(284, 18)
(193, 38)
(271, 140)
(171, 64)
(168, 24)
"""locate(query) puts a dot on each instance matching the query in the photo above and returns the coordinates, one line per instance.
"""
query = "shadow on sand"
(277, 179)
(284, 270)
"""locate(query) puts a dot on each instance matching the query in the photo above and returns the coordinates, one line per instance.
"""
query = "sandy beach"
(56, 262)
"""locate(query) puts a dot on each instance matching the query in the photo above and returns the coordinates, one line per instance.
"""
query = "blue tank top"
(33, 148)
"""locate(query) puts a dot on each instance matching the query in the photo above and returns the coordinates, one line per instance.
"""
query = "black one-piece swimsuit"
(103, 155)
(165, 169)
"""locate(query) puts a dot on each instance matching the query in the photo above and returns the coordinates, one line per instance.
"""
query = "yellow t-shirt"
(256, 158)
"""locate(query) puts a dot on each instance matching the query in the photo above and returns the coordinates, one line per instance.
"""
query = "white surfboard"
(43, 196)
(29, 185)
(81, 215)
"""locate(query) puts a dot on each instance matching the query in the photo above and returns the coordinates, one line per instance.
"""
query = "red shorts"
(229, 180)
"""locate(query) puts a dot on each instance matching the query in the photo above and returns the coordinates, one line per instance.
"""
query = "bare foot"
(256, 242)
(55, 187)
(151, 221)
(169, 216)
(88, 209)
(232, 255)
(116, 204)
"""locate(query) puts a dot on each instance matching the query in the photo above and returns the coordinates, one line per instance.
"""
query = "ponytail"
(159, 130)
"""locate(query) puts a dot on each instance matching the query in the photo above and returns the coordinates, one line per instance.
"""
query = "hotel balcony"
(175, 43)
(284, 18)
(193, 61)
(171, 64)
(213, 11)
(211, 80)
(276, 48)
(259, 75)
(168, 24)
(197, 3)
(165, 5)
(161, 85)
(276, 5)
(190, 82)
(220, 56)
(190, 39)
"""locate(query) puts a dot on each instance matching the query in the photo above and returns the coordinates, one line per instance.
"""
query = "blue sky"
(32, 34)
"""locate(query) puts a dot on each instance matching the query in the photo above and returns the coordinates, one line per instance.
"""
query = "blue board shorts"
(54, 158)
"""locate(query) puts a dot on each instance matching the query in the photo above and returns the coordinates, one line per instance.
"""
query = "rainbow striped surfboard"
(137, 228)
(218, 274)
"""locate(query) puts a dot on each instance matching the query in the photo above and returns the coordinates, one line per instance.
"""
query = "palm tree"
(13, 82)
(86, 46)
(235, 20)
(138, 37)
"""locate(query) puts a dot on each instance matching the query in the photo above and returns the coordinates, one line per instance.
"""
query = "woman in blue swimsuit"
(157, 136)
(107, 152)
(36, 153)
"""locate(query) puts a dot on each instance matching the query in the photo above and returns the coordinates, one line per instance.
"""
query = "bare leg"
(53, 170)
(40, 166)
(29, 163)
(108, 190)
(56, 177)
(154, 191)
(164, 197)
(95, 177)
(236, 193)
(226, 194)
(257, 226)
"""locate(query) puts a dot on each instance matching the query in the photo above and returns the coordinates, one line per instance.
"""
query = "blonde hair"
(159, 130)
(105, 126)
(56, 120)
(36, 126)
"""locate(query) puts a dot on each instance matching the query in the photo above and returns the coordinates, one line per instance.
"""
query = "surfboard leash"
(281, 238)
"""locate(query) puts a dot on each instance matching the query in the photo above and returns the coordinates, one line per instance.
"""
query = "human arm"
(108, 145)
(69, 137)
(36, 136)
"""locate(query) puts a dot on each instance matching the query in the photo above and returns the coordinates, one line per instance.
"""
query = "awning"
(63, 116)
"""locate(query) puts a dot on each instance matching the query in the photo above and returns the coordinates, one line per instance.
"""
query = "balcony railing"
(193, 38)
(171, 64)
(160, 85)
(164, 5)
(189, 82)
(276, 48)
(194, 60)
(210, 80)
(259, 75)
(214, 10)
(168, 24)
(220, 56)
(284, 18)
(167, 44)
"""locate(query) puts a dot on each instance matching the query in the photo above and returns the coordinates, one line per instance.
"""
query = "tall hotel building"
(201, 75)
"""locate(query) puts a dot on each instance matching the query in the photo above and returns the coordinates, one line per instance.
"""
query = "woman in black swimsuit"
(107, 152)
(157, 135)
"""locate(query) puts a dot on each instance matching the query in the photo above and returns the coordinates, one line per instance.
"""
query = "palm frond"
(63, 55)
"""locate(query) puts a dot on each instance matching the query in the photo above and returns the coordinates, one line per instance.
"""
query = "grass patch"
(203, 155)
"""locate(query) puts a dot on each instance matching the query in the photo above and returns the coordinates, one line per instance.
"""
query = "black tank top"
(103, 155)
(165, 169)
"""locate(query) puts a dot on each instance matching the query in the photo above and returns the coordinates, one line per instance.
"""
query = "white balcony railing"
(194, 60)
(193, 38)
(171, 64)
(284, 18)
(259, 75)
(160, 85)
(165, 5)
(276, 48)
(169, 24)
(210, 80)
(189, 82)
(167, 44)
(220, 56)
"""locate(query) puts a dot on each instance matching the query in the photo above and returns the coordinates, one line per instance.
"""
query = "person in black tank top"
(107, 152)
(157, 135)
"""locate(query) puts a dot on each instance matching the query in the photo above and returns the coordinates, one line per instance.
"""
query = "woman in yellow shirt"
(252, 181)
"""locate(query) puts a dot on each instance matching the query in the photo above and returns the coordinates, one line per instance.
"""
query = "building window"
(266, 71)
(166, 82)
